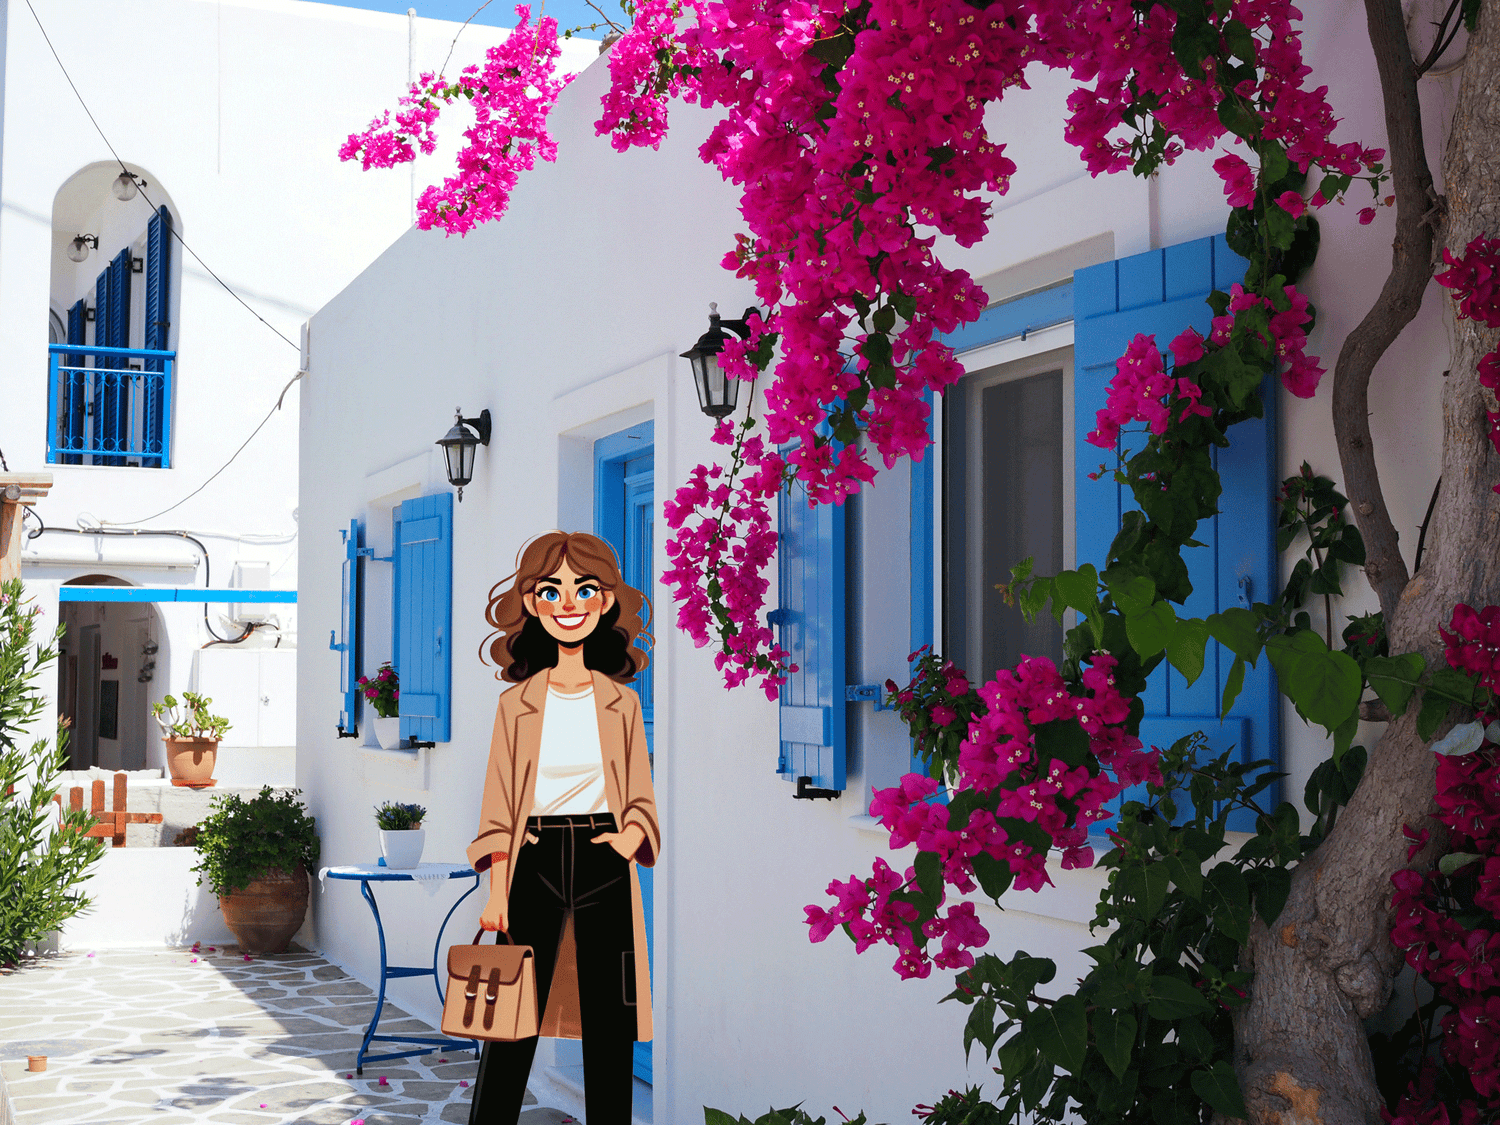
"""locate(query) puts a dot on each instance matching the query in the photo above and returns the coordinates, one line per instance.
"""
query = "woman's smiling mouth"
(572, 621)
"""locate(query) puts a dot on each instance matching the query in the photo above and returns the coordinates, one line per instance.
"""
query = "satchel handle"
(480, 934)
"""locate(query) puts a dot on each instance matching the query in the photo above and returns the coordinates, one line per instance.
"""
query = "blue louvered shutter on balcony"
(158, 310)
(112, 330)
(351, 613)
(101, 338)
(1162, 292)
(73, 394)
(423, 615)
(810, 620)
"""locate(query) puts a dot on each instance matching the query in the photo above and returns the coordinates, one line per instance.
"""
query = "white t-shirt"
(570, 767)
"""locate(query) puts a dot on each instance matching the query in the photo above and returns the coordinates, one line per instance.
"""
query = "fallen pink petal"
(383, 1082)
(463, 1081)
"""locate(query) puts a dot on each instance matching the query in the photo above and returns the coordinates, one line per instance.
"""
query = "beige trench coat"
(509, 792)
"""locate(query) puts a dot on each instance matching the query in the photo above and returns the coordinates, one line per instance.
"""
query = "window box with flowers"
(383, 692)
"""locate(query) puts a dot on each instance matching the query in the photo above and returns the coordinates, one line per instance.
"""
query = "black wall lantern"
(717, 393)
(459, 444)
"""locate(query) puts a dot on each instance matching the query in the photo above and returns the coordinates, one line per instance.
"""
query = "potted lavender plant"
(401, 834)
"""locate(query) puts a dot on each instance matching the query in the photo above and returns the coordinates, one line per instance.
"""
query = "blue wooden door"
(624, 470)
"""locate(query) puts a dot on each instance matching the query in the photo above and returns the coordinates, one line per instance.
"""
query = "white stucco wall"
(233, 113)
(564, 320)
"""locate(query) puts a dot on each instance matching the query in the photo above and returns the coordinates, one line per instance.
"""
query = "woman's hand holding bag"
(491, 992)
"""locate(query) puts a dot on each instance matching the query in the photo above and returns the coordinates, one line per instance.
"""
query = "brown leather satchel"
(491, 992)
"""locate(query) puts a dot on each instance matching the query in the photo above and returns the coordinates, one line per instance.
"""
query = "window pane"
(1003, 476)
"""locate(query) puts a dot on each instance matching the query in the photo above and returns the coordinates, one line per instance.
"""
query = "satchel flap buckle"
(473, 989)
(494, 986)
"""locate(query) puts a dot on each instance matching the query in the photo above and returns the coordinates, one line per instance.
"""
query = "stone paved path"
(156, 1036)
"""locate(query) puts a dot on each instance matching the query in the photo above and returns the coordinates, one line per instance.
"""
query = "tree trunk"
(1328, 962)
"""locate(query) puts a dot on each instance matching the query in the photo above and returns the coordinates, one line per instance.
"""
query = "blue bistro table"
(368, 873)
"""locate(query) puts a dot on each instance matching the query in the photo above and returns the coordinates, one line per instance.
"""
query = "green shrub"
(240, 841)
(38, 868)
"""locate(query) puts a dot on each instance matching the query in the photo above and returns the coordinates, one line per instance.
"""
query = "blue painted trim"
(127, 353)
(1015, 319)
(170, 594)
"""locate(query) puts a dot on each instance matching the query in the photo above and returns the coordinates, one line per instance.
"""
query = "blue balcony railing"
(109, 406)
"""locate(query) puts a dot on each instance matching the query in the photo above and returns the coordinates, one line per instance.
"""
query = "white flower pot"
(388, 732)
(402, 850)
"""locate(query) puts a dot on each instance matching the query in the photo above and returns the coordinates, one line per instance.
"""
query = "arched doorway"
(109, 656)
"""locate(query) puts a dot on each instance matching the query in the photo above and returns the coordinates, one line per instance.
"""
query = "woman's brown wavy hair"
(523, 647)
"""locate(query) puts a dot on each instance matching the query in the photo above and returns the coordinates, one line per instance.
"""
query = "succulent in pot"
(401, 834)
(256, 855)
(191, 735)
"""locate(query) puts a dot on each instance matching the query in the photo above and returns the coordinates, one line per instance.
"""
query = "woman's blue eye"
(585, 592)
(549, 595)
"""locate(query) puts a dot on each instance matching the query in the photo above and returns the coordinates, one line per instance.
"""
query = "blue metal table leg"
(437, 979)
(359, 1060)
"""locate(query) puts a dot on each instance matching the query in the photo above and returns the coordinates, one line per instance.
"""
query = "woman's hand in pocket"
(627, 843)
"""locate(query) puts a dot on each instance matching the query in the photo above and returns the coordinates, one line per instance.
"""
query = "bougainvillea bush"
(854, 132)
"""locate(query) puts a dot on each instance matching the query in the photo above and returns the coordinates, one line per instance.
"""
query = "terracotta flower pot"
(265, 915)
(191, 760)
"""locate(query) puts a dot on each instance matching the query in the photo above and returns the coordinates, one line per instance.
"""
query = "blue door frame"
(624, 506)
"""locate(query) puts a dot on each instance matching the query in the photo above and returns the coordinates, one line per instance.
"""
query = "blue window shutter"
(112, 330)
(1162, 292)
(923, 572)
(158, 290)
(74, 395)
(101, 339)
(350, 615)
(424, 601)
(810, 616)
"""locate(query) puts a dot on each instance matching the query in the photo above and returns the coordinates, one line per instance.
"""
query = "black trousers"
(565, 872)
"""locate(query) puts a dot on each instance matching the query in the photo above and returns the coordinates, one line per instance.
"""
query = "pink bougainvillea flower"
(1292, 203)
(1366, 216)
(1239, 179)
(463, 1082)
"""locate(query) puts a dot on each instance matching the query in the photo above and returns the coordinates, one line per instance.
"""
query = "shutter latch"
(858, 693)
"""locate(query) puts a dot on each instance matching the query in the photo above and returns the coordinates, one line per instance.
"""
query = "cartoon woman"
(568, 811)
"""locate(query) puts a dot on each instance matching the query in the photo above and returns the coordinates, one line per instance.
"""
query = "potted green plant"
(256, 855)
(191, 736)
(384, 695)
(401, 834)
